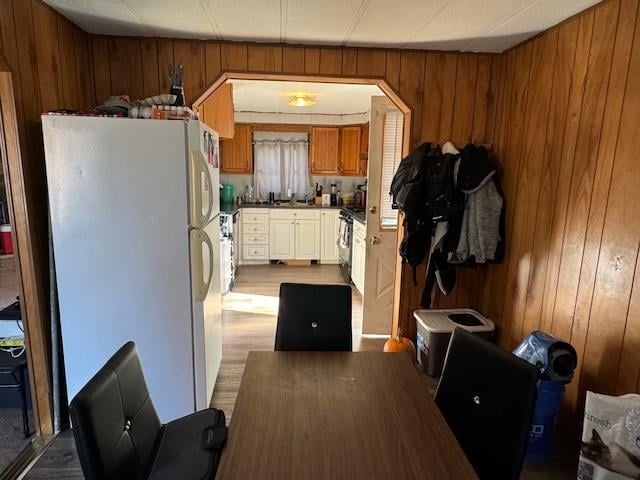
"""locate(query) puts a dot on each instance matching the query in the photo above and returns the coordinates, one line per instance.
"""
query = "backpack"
(443, 201)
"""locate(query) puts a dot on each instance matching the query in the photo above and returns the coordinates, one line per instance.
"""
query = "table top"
(321, 415)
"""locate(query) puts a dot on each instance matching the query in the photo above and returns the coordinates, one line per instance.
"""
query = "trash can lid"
(447, 320)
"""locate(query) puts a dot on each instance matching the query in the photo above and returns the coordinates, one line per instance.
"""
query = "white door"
(380, 244)
(282, 239)
(307, 242)
(329, 228)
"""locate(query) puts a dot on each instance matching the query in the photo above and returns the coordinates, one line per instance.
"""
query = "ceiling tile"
(168, 18)
(462, 21)
(539, 16)
(257, 20)
(381, 25)
(109, 17)
(327, 21)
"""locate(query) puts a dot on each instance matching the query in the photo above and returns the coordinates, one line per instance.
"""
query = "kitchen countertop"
(230, 209)
(227, 208)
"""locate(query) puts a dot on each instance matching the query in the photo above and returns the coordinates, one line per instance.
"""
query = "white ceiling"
(476, 25)
(272, 97)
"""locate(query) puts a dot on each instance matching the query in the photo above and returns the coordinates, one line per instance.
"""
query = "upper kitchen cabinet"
(236, 154)
(325, 150)
(350, 148)
(364, 150)
(217, 111)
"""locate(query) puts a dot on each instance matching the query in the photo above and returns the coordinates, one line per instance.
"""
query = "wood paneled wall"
(48, 58)
(568, 140)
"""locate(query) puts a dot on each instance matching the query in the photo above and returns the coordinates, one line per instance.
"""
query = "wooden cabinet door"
(329, 227)
(236, 154)
(307, 239)
(282, 239)
(217, 111)
(325, 149)
(364, 150)
(350, 150)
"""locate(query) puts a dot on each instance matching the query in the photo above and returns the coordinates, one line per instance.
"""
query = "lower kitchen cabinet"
(282, 233)
(329, 231)
(255, 235)
(307, 242)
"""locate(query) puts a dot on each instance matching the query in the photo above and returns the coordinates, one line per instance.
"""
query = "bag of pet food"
(610, 447)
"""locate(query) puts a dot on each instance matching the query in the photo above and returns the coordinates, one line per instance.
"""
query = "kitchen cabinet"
(236, 154)
(294, 234)
(329, 230)
(350, 148)
(217, 111)
(324, 150)
(282, 239)
(307, 242)
(364, 150)
(358, 255)
(255, 235)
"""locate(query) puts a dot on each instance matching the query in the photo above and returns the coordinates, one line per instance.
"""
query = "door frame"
(398, 320)
(33, 301)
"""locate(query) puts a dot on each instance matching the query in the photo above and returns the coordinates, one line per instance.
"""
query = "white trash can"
(434, 330)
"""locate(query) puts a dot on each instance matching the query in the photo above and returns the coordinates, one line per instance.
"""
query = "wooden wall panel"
(330, 61)
(191, 55)
(49, 59)
(150, 65)
(563, 135)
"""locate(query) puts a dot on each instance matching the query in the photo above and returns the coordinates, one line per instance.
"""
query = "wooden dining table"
(338, 415)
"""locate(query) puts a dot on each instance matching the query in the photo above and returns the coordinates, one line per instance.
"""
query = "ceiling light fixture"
(301, 100)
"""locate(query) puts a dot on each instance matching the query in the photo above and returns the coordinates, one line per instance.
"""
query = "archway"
(391, 94)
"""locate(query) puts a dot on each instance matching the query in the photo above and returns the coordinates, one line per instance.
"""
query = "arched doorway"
(390, 93)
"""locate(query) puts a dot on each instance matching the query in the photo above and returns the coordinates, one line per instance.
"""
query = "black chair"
(119, 435)
(487, 396)
(314, 318)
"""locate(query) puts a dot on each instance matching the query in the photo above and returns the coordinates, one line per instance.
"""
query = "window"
(391, 156)
(281, 164)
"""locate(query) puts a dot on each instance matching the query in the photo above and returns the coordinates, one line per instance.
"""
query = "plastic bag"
(610, 447)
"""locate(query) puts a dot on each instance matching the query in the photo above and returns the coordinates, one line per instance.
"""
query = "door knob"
(374, 240)
(372, 209)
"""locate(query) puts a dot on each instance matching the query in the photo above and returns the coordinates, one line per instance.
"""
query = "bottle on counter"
(318, 200)
(334, 195)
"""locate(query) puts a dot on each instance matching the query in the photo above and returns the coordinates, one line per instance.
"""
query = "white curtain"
(295, 162)
(281, 164)
(267, 169)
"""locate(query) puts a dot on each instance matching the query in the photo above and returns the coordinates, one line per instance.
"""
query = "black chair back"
(114, 421)
(314, 318)
(487, 396)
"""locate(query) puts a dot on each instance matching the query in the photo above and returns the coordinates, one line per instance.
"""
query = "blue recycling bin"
(548, 402)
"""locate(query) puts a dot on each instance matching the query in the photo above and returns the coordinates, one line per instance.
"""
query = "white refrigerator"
(135, 222)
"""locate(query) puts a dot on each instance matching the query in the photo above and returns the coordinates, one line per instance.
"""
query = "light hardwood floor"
(250, 314)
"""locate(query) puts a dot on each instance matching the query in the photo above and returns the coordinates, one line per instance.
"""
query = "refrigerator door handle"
(199, 284)
(199, 169)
